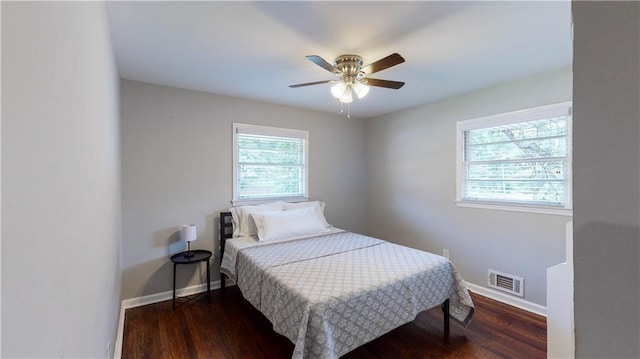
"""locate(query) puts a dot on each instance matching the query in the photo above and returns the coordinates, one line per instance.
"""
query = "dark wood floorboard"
(229, 327)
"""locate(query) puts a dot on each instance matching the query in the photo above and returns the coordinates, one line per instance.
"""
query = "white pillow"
(299, 205)
(295, 222)
(243, 224)
(289, 206)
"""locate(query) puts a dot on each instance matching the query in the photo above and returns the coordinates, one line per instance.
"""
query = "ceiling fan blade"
(310, 83)
(385, 83)
(385, 63)
(322, 63)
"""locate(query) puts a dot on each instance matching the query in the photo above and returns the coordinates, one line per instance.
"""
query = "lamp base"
(188, 253)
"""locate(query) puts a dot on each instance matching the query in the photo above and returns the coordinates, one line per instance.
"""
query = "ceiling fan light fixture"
(347, 97)
(360, 89)
(338, 89)
(341, 90)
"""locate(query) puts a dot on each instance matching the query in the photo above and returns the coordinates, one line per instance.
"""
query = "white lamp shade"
(360, 89)
(188, 232)
(337, 90)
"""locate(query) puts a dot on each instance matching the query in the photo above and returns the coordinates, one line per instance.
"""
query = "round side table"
(197, 255)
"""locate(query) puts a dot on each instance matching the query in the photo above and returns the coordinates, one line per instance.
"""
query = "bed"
(327, 290)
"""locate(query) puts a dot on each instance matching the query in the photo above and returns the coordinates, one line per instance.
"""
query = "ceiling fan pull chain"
(349, 111)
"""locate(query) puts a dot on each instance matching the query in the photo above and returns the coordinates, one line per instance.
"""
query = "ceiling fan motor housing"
(349, 67)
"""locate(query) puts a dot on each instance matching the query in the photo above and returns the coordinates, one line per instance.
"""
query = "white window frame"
(276, 132)
(559, 109)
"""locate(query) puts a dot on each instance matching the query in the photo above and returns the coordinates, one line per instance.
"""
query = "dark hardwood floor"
(229, 327)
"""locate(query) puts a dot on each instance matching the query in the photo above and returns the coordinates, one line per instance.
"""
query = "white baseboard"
(117, 350)
(162, 296)
(156, 298)
(507, 299)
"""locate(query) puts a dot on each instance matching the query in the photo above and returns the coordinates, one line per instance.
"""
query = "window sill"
(250, 202)
(516, 208)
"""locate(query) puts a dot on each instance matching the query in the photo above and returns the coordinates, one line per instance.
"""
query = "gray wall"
(60, 181)
(412, 187)
(607, 179)
(177, 164)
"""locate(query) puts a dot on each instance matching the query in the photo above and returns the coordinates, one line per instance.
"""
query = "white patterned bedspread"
(330, 294)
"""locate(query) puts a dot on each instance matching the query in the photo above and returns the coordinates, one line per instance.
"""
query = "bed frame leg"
(445, 310)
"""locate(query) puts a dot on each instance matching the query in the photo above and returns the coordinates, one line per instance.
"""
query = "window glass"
(521, 158)
(269, 163)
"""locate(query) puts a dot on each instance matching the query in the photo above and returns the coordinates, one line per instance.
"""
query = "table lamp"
(188, 233)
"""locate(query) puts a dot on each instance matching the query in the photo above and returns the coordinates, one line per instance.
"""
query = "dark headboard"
(226, 232)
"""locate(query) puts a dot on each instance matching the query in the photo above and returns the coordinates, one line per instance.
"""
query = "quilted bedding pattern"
(333, 293)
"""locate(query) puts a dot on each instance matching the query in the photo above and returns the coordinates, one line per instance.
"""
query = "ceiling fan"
(351, 75)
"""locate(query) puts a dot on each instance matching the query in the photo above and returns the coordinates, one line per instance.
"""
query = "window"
(269, 163)
(518, 159)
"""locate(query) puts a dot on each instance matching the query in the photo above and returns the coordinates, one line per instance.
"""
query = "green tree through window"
(269, 165)
(523, 158)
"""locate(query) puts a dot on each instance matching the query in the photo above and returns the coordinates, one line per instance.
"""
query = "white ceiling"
(255, 50)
